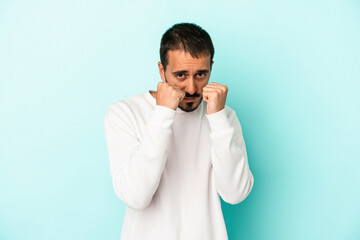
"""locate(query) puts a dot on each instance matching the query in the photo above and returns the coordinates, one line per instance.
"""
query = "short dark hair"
(186, 36)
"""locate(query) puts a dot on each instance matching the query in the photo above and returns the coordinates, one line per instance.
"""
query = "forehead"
(181, 59)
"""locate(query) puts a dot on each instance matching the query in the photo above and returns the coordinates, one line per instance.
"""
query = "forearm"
(233, 178)
(232, 175)
(136, 166)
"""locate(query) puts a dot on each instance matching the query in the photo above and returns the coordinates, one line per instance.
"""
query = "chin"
(190, 106)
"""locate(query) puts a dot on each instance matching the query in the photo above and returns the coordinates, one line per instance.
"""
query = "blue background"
(293, 71)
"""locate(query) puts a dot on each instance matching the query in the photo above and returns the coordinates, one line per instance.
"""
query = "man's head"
(186, 54)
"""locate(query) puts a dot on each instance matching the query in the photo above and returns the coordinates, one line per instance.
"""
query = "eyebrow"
(185, 71)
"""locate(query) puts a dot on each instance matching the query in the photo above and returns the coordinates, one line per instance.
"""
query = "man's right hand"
(169, 95)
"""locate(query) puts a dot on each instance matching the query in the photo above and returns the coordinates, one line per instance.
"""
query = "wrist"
(172, 107)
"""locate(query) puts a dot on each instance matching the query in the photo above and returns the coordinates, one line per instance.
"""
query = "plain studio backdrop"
(293, 72)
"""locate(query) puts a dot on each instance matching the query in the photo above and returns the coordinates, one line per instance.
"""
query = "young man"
(173, 152)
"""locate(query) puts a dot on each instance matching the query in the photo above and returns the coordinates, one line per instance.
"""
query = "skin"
(186, 77)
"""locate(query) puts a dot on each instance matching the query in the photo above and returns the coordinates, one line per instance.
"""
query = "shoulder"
(230, 113)
(128, 105)
(229, 109)
(129, 111)
(232, 116)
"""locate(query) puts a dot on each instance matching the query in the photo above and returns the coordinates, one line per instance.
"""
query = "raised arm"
(231, 172)
(136, 166)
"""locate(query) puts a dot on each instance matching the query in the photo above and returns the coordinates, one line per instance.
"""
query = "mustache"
(188, 95)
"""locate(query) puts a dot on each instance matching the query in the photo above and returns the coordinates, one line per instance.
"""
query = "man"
(173, 152)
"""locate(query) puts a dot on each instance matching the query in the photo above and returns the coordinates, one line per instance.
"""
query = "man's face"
(189, 74)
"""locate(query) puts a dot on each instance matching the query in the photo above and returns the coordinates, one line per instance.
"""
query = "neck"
(153, 93)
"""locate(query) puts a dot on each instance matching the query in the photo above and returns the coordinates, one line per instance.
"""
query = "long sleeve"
(231, 172)
(136, 165)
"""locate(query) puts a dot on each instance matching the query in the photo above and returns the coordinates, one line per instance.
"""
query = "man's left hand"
(215, 96)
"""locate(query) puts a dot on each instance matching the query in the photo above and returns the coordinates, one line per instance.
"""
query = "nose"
(190, 86)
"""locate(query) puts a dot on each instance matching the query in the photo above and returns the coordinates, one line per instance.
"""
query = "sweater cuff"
(162, 116)
(218, 120)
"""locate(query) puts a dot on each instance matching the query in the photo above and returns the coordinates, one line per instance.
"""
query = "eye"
(201, 75)
(180, 75)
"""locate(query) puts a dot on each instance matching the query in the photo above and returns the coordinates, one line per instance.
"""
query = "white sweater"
(170, 166)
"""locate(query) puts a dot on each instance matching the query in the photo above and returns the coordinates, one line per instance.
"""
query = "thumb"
(205, 97)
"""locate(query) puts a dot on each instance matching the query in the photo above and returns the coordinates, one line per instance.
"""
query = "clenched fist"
(215, 96)
(169, 95)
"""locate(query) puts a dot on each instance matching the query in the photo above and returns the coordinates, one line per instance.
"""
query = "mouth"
(191, 99)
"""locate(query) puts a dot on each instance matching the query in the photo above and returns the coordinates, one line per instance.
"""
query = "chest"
(190, 147)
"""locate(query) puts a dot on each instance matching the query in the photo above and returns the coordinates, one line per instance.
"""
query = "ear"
(161, 71)
(212, 62)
